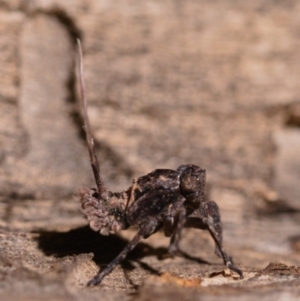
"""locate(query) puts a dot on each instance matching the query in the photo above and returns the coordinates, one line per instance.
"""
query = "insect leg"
(208, 217)
(227, 259)
(146, 229)
(180, 222)
(169, 222)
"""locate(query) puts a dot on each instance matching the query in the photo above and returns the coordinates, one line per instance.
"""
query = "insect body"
(163, 199)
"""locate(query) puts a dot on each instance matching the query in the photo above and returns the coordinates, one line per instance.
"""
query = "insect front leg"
(174, 224)
(169, 226)
(174, 243)
(146, 229)
(207, 217)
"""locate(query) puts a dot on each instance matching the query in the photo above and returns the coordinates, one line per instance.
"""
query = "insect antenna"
(87, 128)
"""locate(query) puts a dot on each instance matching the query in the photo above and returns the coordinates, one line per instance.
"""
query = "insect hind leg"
(146, 229)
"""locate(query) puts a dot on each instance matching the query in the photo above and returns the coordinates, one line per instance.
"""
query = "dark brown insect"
(163, 199)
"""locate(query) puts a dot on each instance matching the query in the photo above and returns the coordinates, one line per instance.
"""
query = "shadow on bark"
(105, 248)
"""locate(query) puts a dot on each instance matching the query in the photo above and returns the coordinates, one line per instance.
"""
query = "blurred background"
(212, 83)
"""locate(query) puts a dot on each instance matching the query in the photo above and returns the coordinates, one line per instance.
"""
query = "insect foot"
(163, 199)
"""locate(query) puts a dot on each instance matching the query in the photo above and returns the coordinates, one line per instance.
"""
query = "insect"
(163, 199)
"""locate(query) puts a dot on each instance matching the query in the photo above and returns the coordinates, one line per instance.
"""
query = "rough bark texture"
(172, 82)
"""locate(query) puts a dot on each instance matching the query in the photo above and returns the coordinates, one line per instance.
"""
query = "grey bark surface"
(215, 84)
